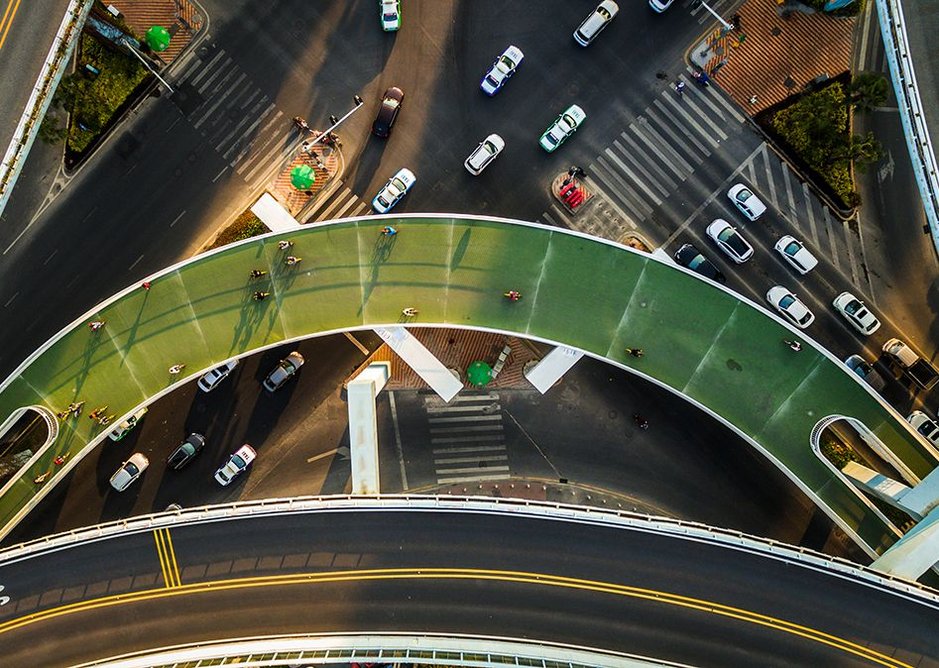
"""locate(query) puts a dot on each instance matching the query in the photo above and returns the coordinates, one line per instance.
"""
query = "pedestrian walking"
(284, 244)
(96, 325)
(409, 312)
(260, 296)
(96, 413)
(794, 345)
(291, 260)
(258, 273)
(146, 285)
(680, 88)
(641, 422)
(635, 352)
(106, 420)
(39, 479)
(176, 368)
(512, 295)
(389, 231)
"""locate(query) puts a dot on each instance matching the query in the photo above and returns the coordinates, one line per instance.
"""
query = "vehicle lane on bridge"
(359, 570)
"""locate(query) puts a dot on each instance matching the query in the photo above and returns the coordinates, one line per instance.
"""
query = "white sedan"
(749, 204)
(790, 306)
(485, 153)
(390, 14)
(396, 188)
(563, 127)
(237, 463)
(796, 254)
(856, 313)
(729, 240)
(502, 70)
(129, 471)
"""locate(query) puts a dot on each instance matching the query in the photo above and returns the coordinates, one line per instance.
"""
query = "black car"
(689, 256)
(186, 451)
(388, 112)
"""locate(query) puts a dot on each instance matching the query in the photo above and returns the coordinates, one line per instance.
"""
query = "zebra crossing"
(642, 179)
(232, 113)
(467, 438)
(337, 202)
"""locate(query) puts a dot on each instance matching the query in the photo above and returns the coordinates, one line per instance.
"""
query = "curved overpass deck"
(578, 578)
(719, 350)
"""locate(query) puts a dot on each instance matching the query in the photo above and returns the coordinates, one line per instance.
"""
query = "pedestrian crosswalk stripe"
(466, 418)
(208, 67)
(466, 439)
(696, 110)
(220, 98)
(249, 132)
(474, 478)
(680, 146)
(675, 108)
(471, 469)
(467, 460)
(461, 398)
(646, 133)
(628, 154)
(208, 82)
(638, 181)
(348, 205)
(689, 135)
(638, 208)
(434, 410)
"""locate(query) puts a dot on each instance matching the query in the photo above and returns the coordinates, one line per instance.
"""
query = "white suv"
(749, 204)
(925, 425)
(485, 153)
(598, 20)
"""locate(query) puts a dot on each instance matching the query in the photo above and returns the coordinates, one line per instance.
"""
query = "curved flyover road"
(601, 584)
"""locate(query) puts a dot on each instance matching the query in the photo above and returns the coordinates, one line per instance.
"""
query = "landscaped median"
(722, 352)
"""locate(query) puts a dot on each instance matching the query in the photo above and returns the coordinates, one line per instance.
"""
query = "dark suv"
(186, 451)
(690, 257)
(388, 112)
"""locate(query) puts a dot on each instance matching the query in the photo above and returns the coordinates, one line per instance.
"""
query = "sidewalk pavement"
(327, 164)
(181, 18)
(777, 51)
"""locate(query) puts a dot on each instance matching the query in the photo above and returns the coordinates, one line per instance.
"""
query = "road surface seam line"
(811, 214)
(851, 259)
(831, 239)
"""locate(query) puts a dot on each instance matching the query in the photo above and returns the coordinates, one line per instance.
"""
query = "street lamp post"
(727, 26)
(146, 64)
(336, 122)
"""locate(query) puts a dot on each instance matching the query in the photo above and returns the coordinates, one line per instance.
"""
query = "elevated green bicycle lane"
(720, 351)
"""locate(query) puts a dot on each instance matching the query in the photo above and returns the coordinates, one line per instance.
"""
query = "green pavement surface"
(705, 343)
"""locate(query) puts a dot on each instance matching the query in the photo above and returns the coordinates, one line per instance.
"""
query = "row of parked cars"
(733, 244)
(186, 451)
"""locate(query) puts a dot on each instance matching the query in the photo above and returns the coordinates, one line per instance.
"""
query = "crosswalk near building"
(467, 438)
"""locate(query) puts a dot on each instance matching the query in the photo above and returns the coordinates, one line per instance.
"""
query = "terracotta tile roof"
(778, 56)
(180, 17)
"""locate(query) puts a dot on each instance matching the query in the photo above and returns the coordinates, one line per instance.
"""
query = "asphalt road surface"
(511, 576)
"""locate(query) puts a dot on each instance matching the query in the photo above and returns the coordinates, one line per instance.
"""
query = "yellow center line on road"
(665, 598)
(5, 24)
(167, 557)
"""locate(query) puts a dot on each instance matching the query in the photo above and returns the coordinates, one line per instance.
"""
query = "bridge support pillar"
(915, 553)
(421, 360)
(363, 427)
(554, 365)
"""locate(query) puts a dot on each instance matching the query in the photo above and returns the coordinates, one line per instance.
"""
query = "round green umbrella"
(158, 38)
(302, 177)
(479, 373)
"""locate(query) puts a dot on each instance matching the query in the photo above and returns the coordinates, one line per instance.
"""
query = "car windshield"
(505, 63)
(390, 16)
(744, 195)
(383, 201)
(238, 462)
(566, 123)
(131, 469)
(398, 183)
(605, 14)
(730, 237)
(792, 248)
(491, 80)
(787, 301)
(390, 103)
(696, 262)
(854, 307)
(927, 428)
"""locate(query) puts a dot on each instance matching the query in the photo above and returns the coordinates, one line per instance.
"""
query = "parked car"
(390, 14)
(237, 462)
(914, 366)
(729, 240)
(689, 256)
(856, 313)
(563, 127)
(660, 5)
(129, 471)
(502, 70)
(866, 371)
(925, 426)
(790, 306)
(598, 20)
(186, 451)
(486, 152)
(388, 112)
(796, 254)
(749, 204)
(396, 188)
(284, 371)
(125, 427)
(212, 378)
